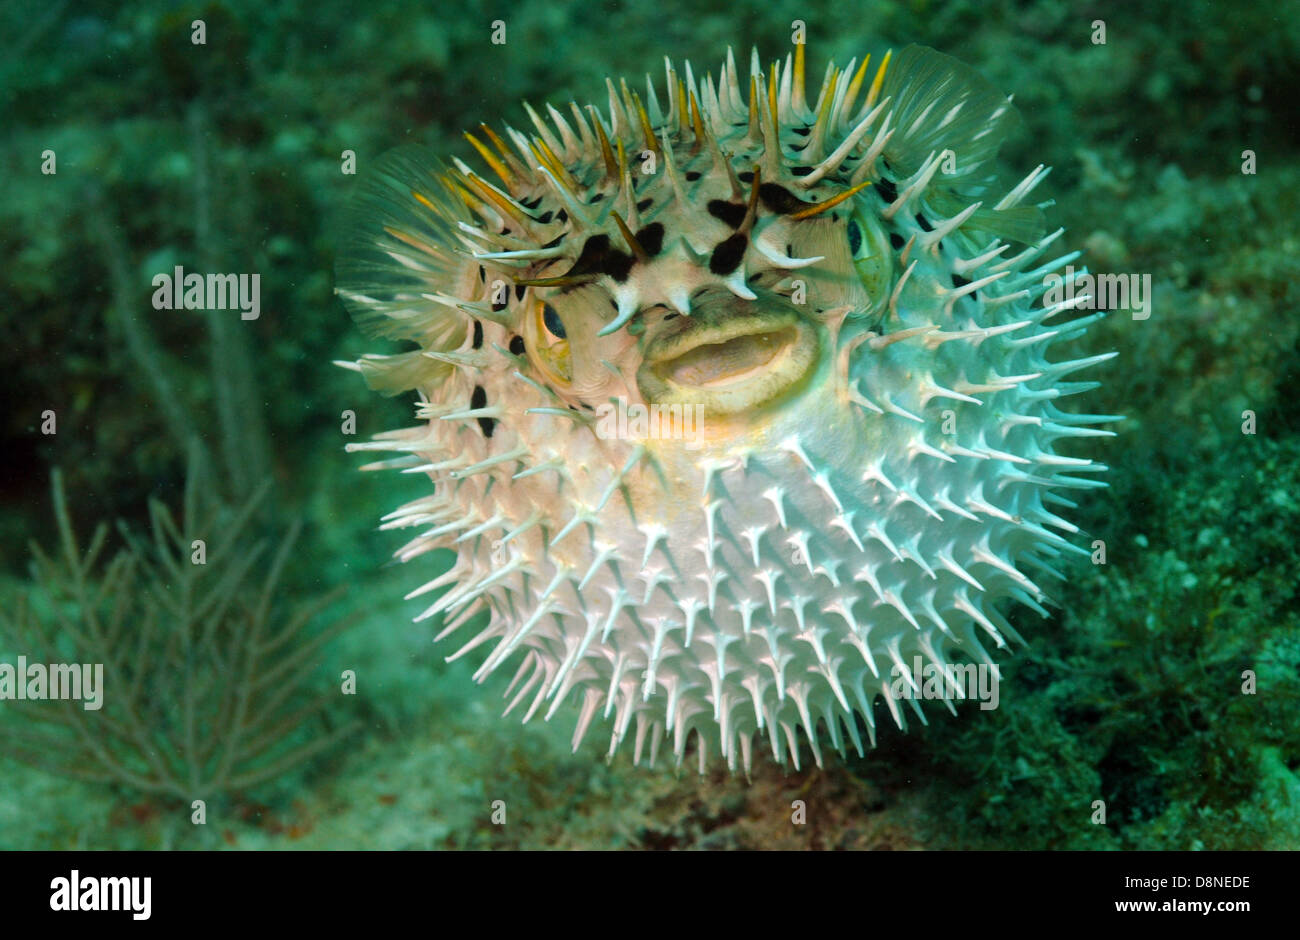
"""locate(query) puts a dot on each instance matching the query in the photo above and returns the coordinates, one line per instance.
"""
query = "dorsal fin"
(940, 103)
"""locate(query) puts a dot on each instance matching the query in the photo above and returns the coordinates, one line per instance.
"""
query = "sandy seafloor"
(1130, 692)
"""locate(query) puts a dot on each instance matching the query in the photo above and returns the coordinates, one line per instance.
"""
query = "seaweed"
(206, 675)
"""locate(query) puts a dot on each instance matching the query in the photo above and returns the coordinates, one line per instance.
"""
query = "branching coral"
(206, 677)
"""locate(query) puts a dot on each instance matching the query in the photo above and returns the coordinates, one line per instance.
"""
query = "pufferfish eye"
(855, 237)
(552, 345)
(551, 320)
(873, 258)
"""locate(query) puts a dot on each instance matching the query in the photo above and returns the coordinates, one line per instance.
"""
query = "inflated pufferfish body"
(843, 315)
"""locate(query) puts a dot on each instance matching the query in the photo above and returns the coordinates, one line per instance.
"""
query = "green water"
(1167, 683)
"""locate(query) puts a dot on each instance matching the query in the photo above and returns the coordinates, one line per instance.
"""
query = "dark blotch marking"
(959, 281)
(925, 225)
(746, 177)
(651, 238)
(561, 216)
(619, 265)
(482, 275)
(600, 257)
(692, 175)
(801, 170)
(532, 203)
(780, 200)
(727, 254)
(517, 345)
(855, 237)
(545, 217)
(519, 291)
(733, 213)
(598, 197)
(479, 400)
(555, 241)
(670, 317)
(887, 190)
(644, 204)
(500, 306)
(478, 335)
(802, 131)
(896, 241)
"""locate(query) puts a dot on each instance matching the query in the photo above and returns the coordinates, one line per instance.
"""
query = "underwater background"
(170, 425)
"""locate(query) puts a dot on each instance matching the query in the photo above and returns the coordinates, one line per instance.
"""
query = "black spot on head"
(925, 225)
(855, 237)
(478, 335)
(887, 190)
(692, 175)
(517, 345)
(651, 238)
(479, 400)
(896, 241)
(594, 250)
(733, 213)
(780, 200)
(644, 204)
(600, 257)
(619, 265)
(728, 254)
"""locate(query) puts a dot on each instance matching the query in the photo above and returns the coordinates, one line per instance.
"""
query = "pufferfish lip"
(737, 364)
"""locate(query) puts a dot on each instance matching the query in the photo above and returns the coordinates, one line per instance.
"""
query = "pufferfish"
(851, 313)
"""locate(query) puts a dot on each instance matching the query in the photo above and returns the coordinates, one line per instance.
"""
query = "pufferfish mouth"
(738, 364)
